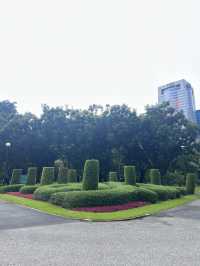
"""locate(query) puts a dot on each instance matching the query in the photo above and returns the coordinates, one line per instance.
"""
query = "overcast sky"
(96, 51)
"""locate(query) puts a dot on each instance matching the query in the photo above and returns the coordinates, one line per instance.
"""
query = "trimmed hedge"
(48, 175)
(29, 189)
(91, 175)
(94, 198)
(62, 175)
(190, 183)
(130, 175)
(155, 177)
(45, 192)
(163, 192)
(113, 177)
(11, 188)
(31, 176)
(16, 174)
(72, 176)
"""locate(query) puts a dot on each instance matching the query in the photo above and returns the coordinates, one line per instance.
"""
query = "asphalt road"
(30, 238)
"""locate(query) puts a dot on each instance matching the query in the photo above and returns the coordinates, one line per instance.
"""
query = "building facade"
(198, 117)
(180, 96)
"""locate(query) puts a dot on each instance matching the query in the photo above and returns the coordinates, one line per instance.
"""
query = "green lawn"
(119, 215)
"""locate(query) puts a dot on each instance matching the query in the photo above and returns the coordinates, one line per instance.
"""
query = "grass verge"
(113, 216)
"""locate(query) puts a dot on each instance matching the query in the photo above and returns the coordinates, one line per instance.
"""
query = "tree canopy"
(115, 135)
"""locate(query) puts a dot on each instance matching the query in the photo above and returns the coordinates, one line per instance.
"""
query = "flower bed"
(19, 194)
(112, 208)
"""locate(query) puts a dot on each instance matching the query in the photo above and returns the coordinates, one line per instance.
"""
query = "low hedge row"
(11, 188)
(44, 192)
(163, 192)
(77, 199)
(29, 189)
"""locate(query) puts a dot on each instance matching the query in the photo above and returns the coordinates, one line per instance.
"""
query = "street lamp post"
(7, 145)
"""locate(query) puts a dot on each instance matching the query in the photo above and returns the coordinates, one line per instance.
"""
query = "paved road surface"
(30, 238)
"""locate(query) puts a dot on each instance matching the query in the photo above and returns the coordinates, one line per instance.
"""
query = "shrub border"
(99, 217)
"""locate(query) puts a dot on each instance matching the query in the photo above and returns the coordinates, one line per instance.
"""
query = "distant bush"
(72, 176)
(31, 176)
(62, 175)
(113, 177)
(155, 176)
(16, 174)
(29, 189)
(91, 175)
(130, 175)
(11, 188)
(48, 175)
(190, 183)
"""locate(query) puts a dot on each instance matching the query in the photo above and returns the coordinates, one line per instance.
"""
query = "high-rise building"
(180, 96)
(198, 117)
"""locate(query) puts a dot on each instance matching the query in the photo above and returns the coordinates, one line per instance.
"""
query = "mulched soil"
(18, 194)
(113, 208)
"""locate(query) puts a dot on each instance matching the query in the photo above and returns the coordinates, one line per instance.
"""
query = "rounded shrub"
(31, 176)
(48, 175)
(190, 183)
(72, 176)
(62, 175)
(16, 174)
(155, 177)
(29, 189)
(91, 175)
(130, 175)
(113, 177)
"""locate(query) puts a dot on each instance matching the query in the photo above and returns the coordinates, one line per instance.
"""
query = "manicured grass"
(119, 215)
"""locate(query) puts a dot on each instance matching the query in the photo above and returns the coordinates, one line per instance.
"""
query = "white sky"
(96, 51)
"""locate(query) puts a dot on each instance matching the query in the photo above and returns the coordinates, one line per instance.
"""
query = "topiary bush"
(48, 175)
(29, 189)
(155, 177)
(91, 175)
(72, 176)
(62, 175)
(190, 183)
(130, 175)
(113, 177)
(11, 188)
(31, 176)
(45, 192)
(16, 174)
(163, 192)
(94, 198)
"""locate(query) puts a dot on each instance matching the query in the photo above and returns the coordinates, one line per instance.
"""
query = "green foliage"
(32, 176)
(29, 189)
(45, 192)
(11, 188)
(163, 192)
(155, 177)
(62, 175)
(113, 177)
(16, 174)
(190, 183)
(48, 175)
(130, 175)
(77, 199)
(72, 176)
(91, 175)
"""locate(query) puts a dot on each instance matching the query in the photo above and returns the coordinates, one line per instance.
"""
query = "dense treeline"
(116, 135)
